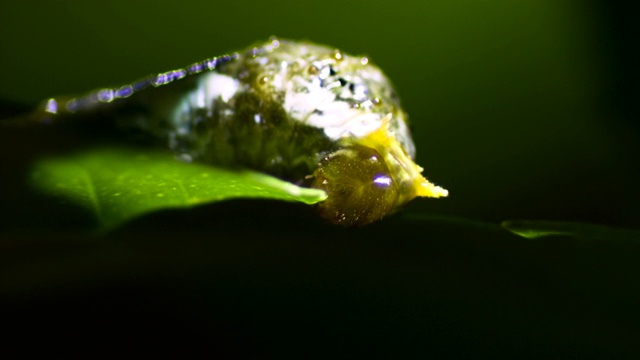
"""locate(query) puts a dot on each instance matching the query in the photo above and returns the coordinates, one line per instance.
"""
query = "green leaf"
(119, 184)
(536, 229)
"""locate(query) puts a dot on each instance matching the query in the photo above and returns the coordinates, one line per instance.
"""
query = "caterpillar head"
(359, 185)
(368, 179)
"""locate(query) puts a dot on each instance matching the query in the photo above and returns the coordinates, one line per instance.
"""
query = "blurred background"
(521, 109)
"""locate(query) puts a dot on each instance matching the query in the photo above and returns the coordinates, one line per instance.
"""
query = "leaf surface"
(536, 229)
(120, 184)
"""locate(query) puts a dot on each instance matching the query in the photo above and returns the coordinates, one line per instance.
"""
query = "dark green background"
(522, 109)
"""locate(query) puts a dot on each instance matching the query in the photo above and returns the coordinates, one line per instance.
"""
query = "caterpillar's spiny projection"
(307, 113)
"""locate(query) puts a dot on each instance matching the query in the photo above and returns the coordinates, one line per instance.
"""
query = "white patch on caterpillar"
(211, 87)
(319, 107)
(218, 85)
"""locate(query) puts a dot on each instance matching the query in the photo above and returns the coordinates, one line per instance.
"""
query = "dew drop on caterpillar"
(303, 112)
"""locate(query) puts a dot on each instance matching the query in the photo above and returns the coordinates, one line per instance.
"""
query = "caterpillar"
(307, 113)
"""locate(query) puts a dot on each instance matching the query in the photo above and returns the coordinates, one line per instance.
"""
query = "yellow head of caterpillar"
(368, 178)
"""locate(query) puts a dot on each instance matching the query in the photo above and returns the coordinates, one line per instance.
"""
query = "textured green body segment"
(231, 136)
(117, 185)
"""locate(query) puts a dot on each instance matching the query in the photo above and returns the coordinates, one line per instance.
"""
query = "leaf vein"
(91, 191)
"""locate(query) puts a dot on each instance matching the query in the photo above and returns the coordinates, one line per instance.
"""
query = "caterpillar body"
(303, 112)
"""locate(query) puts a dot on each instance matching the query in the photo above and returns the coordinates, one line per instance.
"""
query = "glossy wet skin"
(359, 184)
